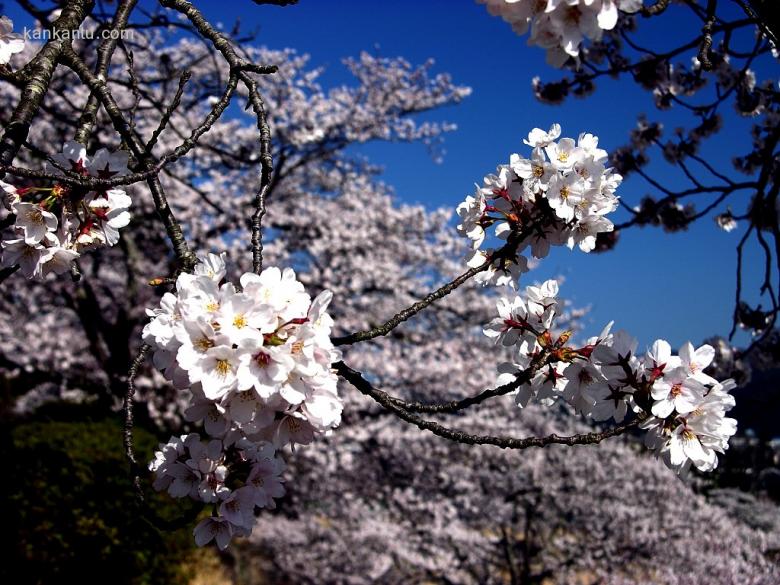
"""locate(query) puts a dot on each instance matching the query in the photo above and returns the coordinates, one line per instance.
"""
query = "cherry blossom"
(392, 504)
(10, 42)
(61, 222)
(258, 361)
(561, 26)
(682, 408)
(558, 196)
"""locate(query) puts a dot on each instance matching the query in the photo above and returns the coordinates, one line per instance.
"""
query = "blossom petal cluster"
(560, 195)
(10, 42)
(682, 408)
(55, 225)
(561, 26)
(188, 467)
(256, 361)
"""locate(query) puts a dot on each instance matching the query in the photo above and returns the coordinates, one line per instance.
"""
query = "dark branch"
(135, 468)
(358, 381)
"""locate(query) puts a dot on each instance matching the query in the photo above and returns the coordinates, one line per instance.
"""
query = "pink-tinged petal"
(687, 352)
(704, 356)
(661, 351)
(660, 390)
(693, 449)
(677, 454)
(663, 408)
(687, 400)
(203, 532)
(608, 15)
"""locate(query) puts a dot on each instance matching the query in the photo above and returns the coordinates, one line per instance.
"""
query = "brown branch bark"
(37, 75)
(364, 386)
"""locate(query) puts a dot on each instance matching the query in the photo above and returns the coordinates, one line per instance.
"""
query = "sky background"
(676, 286)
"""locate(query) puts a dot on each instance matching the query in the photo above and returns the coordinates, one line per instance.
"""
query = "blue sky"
(676, 286)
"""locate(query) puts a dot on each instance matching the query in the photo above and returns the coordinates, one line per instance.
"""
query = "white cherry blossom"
(10, 42)
(564, 176)
(34, 222)
(68, 222)
(561, 26)
(258, 363)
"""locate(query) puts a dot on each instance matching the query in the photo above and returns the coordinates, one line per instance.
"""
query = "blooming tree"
(253, 362)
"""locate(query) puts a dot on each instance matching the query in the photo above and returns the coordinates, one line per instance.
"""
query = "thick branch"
(38, 74)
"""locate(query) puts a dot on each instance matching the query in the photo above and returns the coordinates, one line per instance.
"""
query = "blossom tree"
(145, 239)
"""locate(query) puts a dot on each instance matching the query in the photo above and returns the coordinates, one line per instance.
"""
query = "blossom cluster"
(558, 196)
(186, 466)
(560, 26)
(681, 407)
(10, 42)
(257, 364)
(54, 225)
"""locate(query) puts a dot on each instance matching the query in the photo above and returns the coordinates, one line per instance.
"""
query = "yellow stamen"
(35, 215)
(203, 344)
(222, 367)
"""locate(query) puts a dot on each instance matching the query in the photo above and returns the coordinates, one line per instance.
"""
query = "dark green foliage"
(69, 513)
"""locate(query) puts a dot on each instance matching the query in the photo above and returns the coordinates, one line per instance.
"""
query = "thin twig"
(656, 8)
(456, 405)
(183, 79)
(133, 86)
(507, 251)
(128, 429)
(105, 52)
(409, 312)
(266, 171)
(706, 40)
(358, 381)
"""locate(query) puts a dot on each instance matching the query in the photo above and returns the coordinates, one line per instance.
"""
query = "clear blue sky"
(677, 286)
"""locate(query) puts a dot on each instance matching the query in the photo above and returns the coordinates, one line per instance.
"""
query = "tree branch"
(358, 381)
(135, 468)
(38, 74)
(99, 87)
